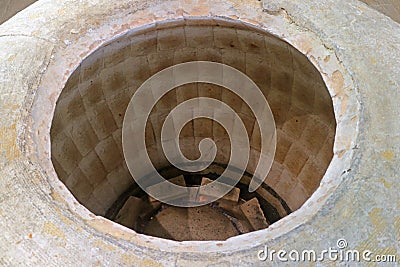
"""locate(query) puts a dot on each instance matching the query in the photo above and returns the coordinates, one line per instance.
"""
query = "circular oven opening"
(86, 132)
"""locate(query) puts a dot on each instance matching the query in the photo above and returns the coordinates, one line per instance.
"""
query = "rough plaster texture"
(391, 8)
(358, 197)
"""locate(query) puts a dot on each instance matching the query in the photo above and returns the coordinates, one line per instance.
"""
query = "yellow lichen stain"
(131, 260)
(62, 12)
(37, 178)
(344, 105)
(386, 183)
(67, 221)
(397, 227)
(8, 143)
(372, 60)
(63, 218)
(103, 245)
(347, 212)
(388, 154)
(56, 196)
(11, 58)
(106, 227)
(111, 228)
(10, 106)
(35, 16)
(51, 229)
(375, 217)
(337, 82)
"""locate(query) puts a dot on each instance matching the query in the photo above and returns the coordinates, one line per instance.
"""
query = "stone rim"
(259, 237)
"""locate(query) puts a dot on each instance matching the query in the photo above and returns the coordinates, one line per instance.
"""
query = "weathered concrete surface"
(391, 8)
(358, 199)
